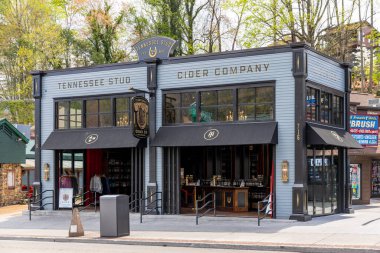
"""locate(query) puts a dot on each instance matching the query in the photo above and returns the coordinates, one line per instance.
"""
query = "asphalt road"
(15, 246)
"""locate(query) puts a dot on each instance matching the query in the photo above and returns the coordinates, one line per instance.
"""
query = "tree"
(102, 31)
(29, 39)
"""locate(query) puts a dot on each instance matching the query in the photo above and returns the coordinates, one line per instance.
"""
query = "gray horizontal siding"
(138, 79)
(279, 71)
(325, 71)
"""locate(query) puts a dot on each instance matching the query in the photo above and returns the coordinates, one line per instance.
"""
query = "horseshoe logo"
(152, 52)
(91, 138)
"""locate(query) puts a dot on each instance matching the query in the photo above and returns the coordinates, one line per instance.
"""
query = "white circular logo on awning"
(91, 138)
(211, 134)
(336, 135)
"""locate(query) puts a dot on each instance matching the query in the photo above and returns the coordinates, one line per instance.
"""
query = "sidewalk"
(358, 232)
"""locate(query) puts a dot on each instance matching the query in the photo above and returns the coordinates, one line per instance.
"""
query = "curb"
(304, 249)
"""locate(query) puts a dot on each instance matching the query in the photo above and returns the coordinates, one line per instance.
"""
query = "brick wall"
(366, 165)
(10, 195)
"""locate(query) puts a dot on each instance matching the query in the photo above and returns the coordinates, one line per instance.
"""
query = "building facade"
(365, 163)
(12, 155)
(243, 124)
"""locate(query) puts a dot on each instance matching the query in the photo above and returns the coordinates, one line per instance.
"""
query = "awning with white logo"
(99, 138)
(325, 135)
(216, 135)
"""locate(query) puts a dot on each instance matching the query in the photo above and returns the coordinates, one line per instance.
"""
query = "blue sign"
(365, 129)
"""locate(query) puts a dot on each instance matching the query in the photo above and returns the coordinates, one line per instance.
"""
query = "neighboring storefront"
(12, 155)
(242, 124)
(365, 163)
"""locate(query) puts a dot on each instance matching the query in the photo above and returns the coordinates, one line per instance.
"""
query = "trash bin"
(114, 215)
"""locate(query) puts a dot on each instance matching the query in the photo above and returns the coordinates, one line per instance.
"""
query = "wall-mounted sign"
(155, 47)
(66, 198)
(285, 171)
(365, 129)
(140, 107)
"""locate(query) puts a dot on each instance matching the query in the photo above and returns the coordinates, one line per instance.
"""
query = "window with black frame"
(180, 108)
(338, 110)
(312, 104)
(324, 107)
(216, 105)
(69, 114)
(256, 103)
(122, 111)
(98, 113)
(252, 104)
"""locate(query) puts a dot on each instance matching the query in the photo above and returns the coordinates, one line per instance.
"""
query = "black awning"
(216, 135)
(324, 135)
(93, 139)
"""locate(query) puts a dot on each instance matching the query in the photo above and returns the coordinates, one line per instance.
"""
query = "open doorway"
(240, 176)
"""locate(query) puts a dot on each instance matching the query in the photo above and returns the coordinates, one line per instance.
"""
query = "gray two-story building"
(243, 124)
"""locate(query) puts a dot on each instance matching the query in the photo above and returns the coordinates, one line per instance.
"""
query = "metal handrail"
(197, 215)
(81, 206)
(143, 206)
(39, 201)
(268, 200)
(135, 199)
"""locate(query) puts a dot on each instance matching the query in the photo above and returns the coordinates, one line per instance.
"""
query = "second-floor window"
(93, 113)
(216, 105)
(324, 107)
(98, 113)
(69, 114)
(219, 105)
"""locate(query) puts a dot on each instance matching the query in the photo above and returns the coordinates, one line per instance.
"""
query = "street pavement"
(357, 232)
(51, 247)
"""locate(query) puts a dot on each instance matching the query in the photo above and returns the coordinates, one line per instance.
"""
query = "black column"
(37, 94)
(152, 87)
(299, 191)
(346, 180)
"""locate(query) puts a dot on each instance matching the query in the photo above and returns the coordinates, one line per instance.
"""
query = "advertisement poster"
(365, 129)
(355, 180)
(66, 198)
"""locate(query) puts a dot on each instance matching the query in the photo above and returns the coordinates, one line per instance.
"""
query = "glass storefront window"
(355, 172)
(375, 179)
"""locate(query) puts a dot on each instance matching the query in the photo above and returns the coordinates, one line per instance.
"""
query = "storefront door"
(322, 180)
